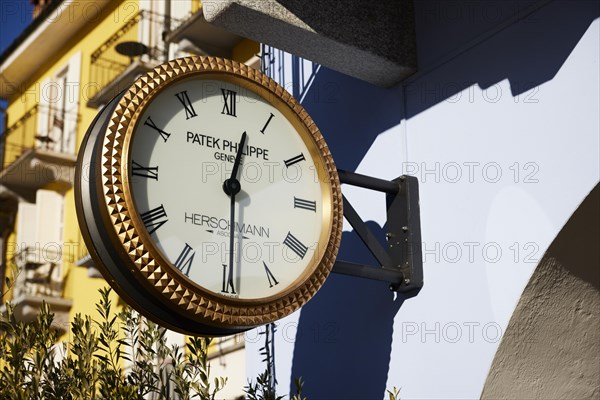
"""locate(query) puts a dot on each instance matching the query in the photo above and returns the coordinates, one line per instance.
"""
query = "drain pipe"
(167, 29)
(3, 138)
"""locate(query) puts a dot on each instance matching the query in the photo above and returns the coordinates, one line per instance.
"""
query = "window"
(38, 251)
(58, 109)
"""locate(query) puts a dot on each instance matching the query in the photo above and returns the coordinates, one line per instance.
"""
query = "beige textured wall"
(551, 348)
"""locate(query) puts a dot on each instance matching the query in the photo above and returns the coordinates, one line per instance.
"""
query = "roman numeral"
(270, 276)
(152, 125)
(154, 218)
(187, 104)
(294, 160)
(145, 172)
(227, 281)
(267, 124)
(228, 102)
(305, 204)
(184, 261)
(296, 245)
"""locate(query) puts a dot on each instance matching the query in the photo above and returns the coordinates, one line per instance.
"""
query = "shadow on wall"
(576, 246)
(343, 343)
(528, 53)
(351, 114)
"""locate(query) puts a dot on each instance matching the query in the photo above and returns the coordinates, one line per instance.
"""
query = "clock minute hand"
(231, 237)
(232, 187)
(238, 159)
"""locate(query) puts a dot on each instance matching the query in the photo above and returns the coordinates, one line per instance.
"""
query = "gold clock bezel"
(147, 263)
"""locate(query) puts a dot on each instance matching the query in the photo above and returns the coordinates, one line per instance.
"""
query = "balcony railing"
(294, 73)
(37, 272)
(37, 279)
(196, 36)
(107, 64)
(19, 136)
(24, 134)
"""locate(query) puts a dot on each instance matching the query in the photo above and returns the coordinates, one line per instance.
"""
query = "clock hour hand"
(232, 187)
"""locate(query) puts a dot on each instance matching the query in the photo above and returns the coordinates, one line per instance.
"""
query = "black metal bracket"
(401, 263)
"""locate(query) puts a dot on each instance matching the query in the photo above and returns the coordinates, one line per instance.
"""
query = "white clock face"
(249, 244)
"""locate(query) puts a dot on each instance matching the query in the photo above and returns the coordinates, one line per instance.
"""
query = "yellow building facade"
(73, 58)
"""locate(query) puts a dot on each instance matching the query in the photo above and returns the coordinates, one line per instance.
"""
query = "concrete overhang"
(36, 169)
(370, 40)
(45, 42)
(208, 38)
(87, 262)
(27, 309)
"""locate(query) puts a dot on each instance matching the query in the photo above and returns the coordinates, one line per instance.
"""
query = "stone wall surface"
(551, 349)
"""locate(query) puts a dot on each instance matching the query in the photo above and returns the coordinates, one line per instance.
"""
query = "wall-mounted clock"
(208, 197)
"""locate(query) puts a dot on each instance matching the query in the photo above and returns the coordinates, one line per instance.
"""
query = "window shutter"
(145, 28)
(26, 215)
(26, 235)
(181, 12)
(43, 112)
(178, 11)
(49, 225)
(72, 91)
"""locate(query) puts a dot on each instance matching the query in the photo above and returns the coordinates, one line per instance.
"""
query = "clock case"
(118, 244)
